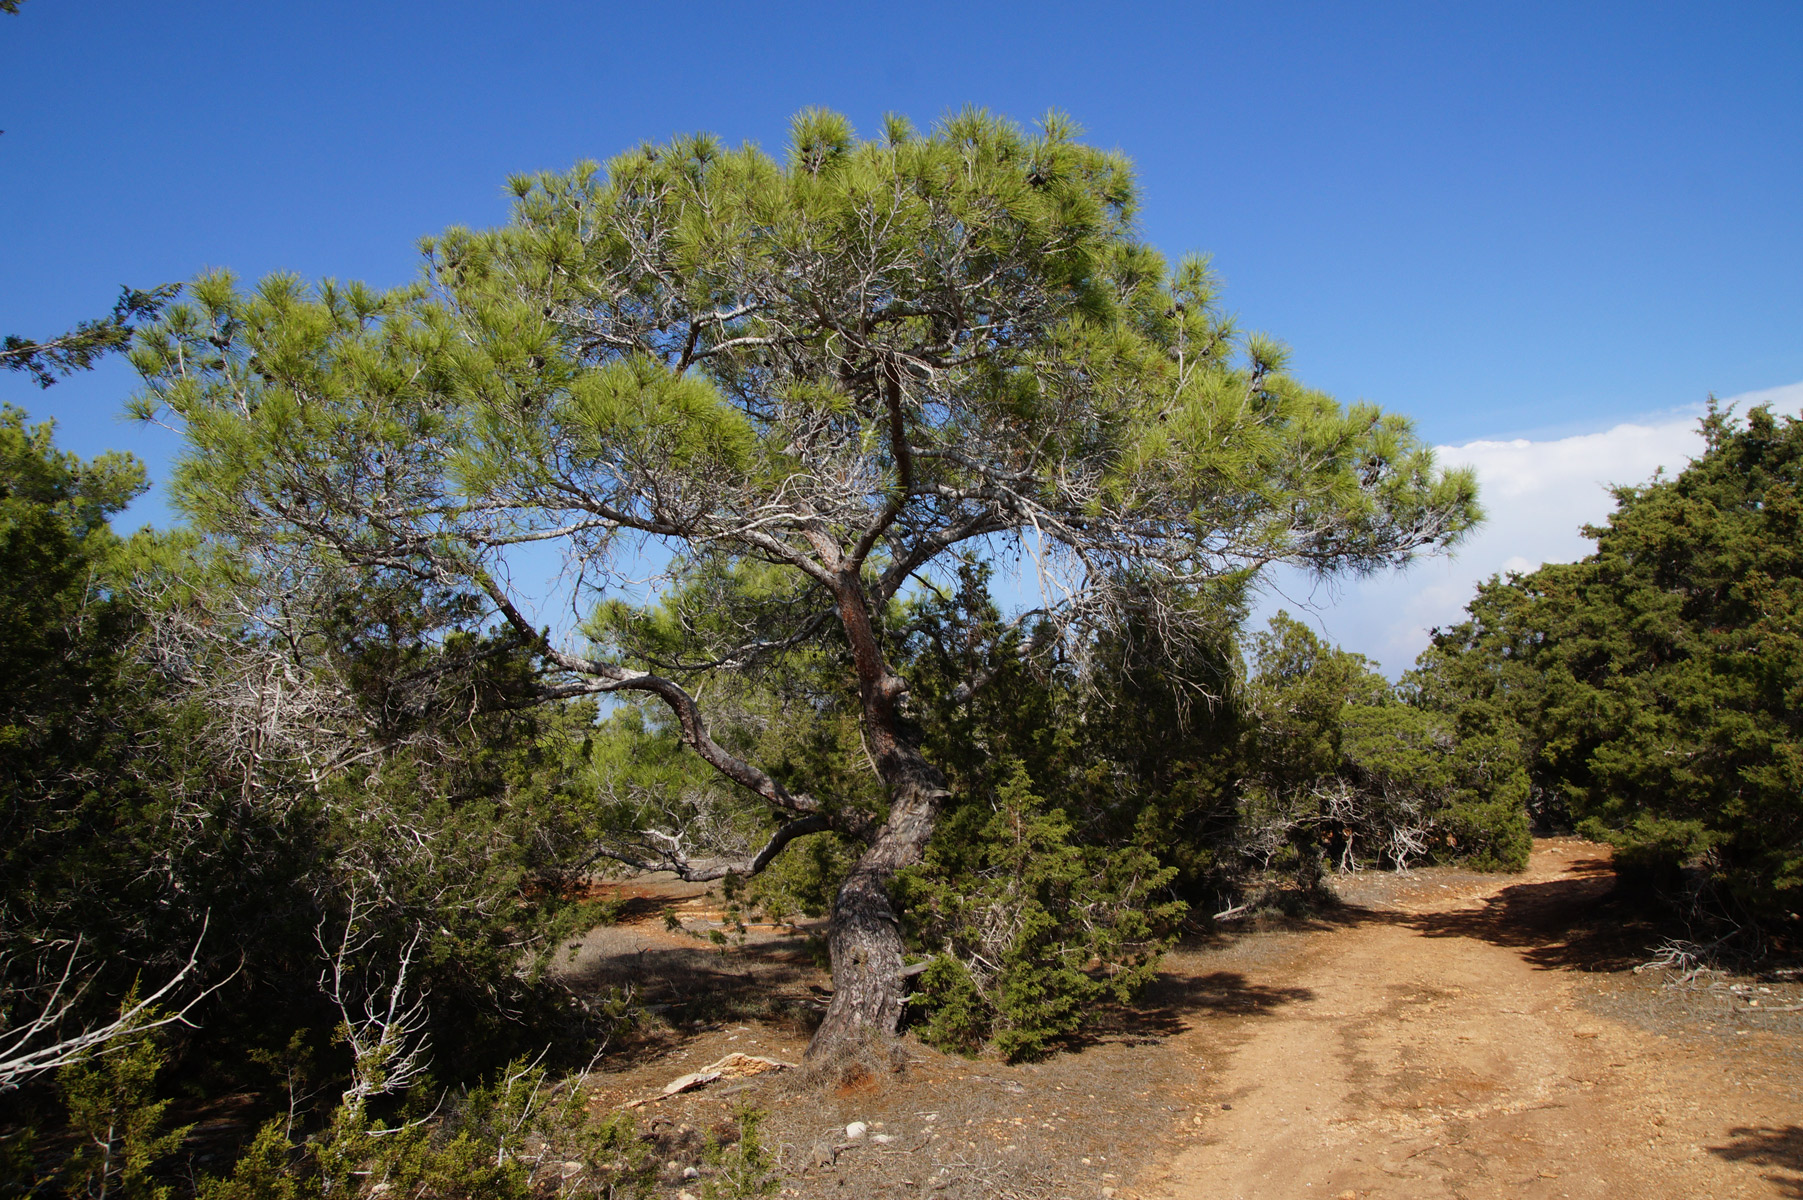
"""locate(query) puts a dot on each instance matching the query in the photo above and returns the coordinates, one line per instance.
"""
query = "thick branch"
(608, 677)
(900, 494)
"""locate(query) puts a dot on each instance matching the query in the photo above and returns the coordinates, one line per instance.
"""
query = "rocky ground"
(1442, 1034)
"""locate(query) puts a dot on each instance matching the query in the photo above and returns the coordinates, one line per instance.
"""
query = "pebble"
(856, 1130)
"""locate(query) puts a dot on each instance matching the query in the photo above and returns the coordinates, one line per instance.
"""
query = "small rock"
(690, 1173)
(1226, 1106)
(672, 1165)
(882, 1139)
(856, 1130)
(685, 1196)
(1107, 1194)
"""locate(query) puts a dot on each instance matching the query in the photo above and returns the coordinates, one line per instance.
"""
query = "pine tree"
(812, 381)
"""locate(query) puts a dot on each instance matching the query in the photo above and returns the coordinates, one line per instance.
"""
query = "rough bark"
(864, 936)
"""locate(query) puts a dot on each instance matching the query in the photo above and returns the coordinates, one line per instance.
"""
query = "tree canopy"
(812, 381)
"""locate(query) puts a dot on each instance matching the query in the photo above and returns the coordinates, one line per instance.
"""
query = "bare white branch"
(24, 1052)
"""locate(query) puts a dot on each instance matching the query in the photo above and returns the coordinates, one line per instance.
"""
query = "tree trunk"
(864, 936)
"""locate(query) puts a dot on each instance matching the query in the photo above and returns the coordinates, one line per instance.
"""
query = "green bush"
(1343, 770)
(1034, 928)
(116, 1121)
(1657, 686)
(742, 1168)
(507, 1140)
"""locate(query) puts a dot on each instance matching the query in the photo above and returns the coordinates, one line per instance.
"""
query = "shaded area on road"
(1769, 1146)
(1170, 1006)
(1579, 922)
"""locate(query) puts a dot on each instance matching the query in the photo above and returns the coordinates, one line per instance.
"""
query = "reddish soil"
(1444, 1034)
(1457, 1040)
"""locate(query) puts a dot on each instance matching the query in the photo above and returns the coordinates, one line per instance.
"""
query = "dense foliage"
(1341, 769)
(808, 383)
(343, 792)
(1657, 685)
(309, 763)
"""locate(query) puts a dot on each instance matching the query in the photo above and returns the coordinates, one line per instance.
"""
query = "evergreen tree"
(1658, 684)
(840, 368)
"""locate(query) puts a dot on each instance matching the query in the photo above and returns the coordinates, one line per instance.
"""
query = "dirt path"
(1432, 1048)
(1441, 1035)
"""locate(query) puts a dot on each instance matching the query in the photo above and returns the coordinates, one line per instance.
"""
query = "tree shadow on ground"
(1769, 1146)
(1581, 922)
(680, 975)
(1170, 1004)
(690, 988)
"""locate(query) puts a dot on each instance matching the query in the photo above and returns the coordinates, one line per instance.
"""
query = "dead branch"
(20, 1060)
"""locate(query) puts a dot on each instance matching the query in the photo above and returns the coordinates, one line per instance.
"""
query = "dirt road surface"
(1436, 1044)
(1441, 1034)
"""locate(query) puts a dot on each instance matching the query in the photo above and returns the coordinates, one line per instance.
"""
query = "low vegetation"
(300, 805)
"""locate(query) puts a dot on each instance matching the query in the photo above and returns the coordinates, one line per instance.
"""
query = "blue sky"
(1507, 221)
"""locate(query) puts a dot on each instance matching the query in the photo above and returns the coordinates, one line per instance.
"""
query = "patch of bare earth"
(1443, 1034)
(1477, 1037)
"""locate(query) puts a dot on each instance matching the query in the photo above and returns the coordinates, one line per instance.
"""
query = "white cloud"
(1537, 494)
